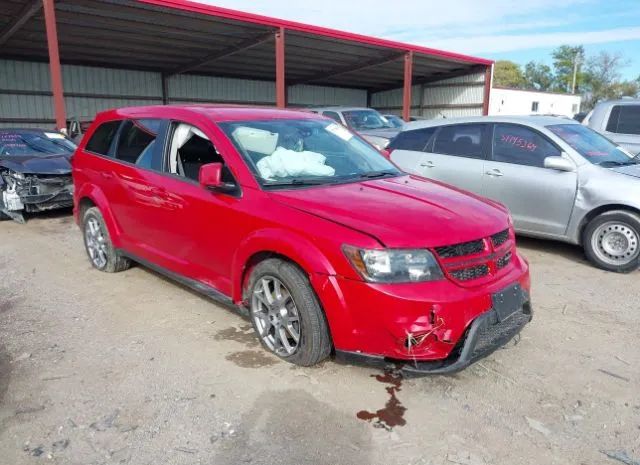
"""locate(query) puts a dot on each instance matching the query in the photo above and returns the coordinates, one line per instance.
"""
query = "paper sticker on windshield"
(340, 131)
(53, 135)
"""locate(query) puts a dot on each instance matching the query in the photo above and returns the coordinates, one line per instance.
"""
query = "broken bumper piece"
(486, 334)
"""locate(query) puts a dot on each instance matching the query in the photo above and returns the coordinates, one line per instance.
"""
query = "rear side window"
(521, 146)
(416, 140)
(333, 115)
(463, 140)
(624, 119)
(137, 140)
(102, 138)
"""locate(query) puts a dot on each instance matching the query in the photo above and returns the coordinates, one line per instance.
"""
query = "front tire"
(286, 314)
(97, 243)
(612, 241)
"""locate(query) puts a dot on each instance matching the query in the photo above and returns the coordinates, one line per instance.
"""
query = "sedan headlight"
(394, 265)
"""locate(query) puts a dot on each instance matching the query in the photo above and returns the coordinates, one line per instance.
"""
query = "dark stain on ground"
(292, 426)
(392, 414)
(244, 335)
(5, 372)
(6, 305)
(251, 359)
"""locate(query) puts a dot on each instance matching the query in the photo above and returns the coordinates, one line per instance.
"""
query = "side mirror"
(559, 164)
(210, 177)
(386, 153)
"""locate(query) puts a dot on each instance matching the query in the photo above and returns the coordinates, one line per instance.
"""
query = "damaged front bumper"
(429, 327)
(34, 193)
(485, 335)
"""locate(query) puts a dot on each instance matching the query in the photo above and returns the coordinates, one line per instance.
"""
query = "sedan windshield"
(34, 143)
(306, 152)
(595, 148)
(365, 119)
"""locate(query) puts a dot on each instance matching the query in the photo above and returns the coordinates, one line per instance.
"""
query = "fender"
(290, 244)
(95, 194)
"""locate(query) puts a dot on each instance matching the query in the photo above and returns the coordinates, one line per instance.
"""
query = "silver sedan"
(561, 180)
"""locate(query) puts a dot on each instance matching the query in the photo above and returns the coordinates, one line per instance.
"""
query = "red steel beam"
(406, 95)
(54, 64)
(281, 85)
(487, 90)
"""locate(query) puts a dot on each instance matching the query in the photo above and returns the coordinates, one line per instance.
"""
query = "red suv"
(305, 228)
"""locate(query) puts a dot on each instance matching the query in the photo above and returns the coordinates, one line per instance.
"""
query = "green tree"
(567, 63)
(508, 74)
(602, 78)
(538, 76)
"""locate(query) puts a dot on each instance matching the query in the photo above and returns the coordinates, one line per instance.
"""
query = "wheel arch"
(92, 196)
(587, 218)
(276, 243)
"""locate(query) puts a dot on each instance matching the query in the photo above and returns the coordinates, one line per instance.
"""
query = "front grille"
(492, 336)
(500, 238)
(503, 261)
(467, 261)
(472, 272)
(460, 250)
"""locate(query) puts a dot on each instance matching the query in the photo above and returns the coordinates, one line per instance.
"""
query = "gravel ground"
(131, 368)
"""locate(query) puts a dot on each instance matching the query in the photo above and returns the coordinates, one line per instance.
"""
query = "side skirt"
(201, 288)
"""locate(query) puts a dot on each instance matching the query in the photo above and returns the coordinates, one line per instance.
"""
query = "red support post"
(408, 76)
(487, 90)
(281, 85)
(54, 64)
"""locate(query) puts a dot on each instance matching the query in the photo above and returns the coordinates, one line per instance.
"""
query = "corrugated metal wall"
(459, 96)
(25, 92)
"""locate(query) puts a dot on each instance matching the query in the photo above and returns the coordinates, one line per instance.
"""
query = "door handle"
(106, 175)
(494, 172)
(428, 164)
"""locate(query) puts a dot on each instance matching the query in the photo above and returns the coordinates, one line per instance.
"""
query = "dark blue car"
(35, 172)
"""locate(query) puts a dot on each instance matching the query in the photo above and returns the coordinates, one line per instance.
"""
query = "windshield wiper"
(632, 161)
(376, 174)
(296, 182)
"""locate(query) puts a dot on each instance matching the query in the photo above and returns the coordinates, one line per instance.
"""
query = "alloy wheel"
(96, 243)
(275, 316)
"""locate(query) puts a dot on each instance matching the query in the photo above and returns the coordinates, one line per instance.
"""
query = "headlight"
(394, 265)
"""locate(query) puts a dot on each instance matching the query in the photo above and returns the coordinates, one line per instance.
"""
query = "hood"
(37, 164)
(387, 133)
(405, 211)
(631, 170)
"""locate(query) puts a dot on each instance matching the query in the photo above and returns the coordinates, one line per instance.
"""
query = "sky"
(520, 30)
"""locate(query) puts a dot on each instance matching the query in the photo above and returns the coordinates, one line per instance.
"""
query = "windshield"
(33, 143)
(595, 148)
(365, 119)
(395, 121)
(306, 152)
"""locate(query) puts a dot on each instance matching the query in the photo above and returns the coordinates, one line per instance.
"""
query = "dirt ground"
(131, 368)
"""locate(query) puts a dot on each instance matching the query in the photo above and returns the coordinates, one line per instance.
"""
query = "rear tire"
(97, 242)
(612, 241)
(286, 313)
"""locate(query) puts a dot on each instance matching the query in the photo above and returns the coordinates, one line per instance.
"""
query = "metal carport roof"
(175, 36)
